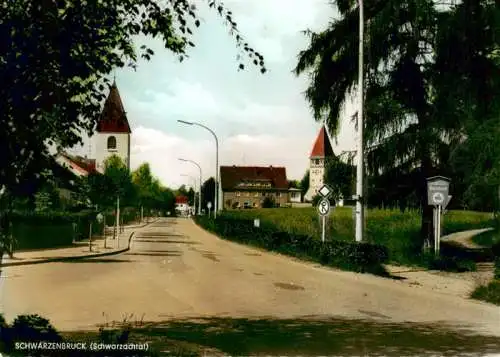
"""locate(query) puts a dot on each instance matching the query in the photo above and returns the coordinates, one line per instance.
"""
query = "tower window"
(111, 143)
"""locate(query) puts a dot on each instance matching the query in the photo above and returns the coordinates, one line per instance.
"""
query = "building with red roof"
(248, 186)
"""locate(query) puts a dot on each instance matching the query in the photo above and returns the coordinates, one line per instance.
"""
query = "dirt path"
(457, 284)
(465, 238)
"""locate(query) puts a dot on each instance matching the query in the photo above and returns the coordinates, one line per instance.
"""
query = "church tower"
(113, 131)
(321, 151)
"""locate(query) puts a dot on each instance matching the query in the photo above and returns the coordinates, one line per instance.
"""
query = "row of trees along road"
(56, 58)
(134, 189)
(432, 89)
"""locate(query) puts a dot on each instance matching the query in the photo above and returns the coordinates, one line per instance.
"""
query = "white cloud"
(163, 150)
(182, 99)
(260, 120)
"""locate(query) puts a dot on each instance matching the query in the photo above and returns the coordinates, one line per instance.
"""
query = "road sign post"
(324, 208)
(209, 206)
(100, 219)
(438, 196)
(90, 237)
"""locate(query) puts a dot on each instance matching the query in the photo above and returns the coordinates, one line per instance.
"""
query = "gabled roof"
(181, 199)
(78, 165)
(231, 176)
(322, 146)
(113, 116)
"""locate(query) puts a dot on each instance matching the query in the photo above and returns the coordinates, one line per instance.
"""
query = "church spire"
(113, 116)
(322, 147)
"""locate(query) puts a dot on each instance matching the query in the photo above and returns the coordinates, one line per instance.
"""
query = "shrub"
(451, 264)
(352, 256)
(28, 328)
(33, 328)
(497, 268)
(489, 293)
(268, 202)
(495, 249)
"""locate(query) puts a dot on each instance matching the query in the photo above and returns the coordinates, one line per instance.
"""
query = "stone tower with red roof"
(321, 151)
(113, 131)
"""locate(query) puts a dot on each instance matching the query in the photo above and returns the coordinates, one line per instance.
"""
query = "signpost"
(209, 206)
(324, 208)
(437, 196)
(100, 218)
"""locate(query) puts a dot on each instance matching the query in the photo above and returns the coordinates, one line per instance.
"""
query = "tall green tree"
(56, 58)
(423, 77)
(93, 188)
(143, 180)
(166, 200)
(207, 193)
(293, 184)
(304, 183)
(120, 180)
(339, 176)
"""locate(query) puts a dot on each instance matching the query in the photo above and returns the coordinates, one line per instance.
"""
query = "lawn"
(487, 239)
(396, 230)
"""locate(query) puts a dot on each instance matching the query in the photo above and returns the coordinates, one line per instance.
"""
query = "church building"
(112, 137)
(113, 131)
(322, 150)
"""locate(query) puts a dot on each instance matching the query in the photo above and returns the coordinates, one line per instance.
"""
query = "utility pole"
(359, 168)
(117, 216)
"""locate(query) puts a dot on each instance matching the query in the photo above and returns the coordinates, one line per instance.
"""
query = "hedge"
(358, 257)
(496, 252)
(37, 230)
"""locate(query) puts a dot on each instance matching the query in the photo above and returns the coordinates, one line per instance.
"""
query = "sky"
(260, 120)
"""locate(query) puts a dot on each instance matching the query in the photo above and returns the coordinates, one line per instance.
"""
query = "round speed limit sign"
(324, 207)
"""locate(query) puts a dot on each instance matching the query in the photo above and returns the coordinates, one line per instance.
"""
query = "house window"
(278, 194)
(247, 194)
(256, 194)
(263, 194)
(111, 143)
(238, 193)
(316, 161)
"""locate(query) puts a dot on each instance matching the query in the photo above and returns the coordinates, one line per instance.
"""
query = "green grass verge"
(489, 293)
(397, 231)
(487, 239)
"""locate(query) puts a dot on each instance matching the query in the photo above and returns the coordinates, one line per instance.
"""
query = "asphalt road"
(175, 270)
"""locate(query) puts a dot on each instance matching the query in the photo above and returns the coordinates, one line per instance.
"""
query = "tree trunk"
(427, 224)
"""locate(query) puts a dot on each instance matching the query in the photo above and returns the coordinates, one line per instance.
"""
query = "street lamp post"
(199, 194)
(359, 169)
(199, 167)
(216, 198)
